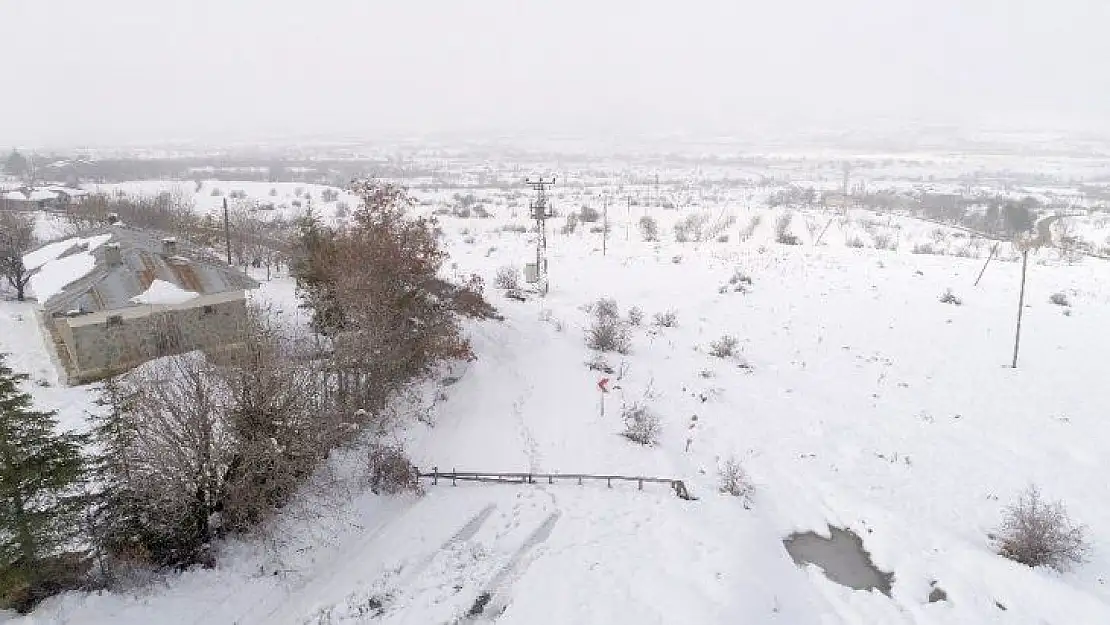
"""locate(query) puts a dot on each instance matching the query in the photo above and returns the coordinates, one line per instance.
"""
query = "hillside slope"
(863, 402)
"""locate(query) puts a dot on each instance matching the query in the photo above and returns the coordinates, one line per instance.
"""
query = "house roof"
(75, 274)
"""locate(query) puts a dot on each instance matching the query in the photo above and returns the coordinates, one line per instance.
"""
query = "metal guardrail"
(678, 486)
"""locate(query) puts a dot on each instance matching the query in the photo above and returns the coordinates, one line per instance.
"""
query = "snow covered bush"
(635, 316)
(734, 481)
(649, 228)
(607, 331)
(885, 241)
(854, 242)
(749, 230)
(924, 248)
(1060, 299)
(570, 225)
(507, 278)
(724, 347)
(739, 281)
(948, 297)
(782, 230)
(641, 424)
(390, 470)
(667, 319)
(329, 195)
(1039, 533)
(588, 215)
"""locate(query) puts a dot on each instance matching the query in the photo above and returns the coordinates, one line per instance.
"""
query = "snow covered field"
(863, 402)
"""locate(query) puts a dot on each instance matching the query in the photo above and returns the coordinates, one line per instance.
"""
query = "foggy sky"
(116, 71)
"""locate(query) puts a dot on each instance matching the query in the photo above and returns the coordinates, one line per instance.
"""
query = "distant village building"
(40, 198)
(120, 296)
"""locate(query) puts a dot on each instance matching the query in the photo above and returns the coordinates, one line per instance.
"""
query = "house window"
(115, 320)
(208, 310)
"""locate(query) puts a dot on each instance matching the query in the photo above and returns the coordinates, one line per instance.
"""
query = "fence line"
(678, 486)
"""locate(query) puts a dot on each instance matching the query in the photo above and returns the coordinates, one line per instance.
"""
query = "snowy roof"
(42, 194)
(75, 274)
(15, 195)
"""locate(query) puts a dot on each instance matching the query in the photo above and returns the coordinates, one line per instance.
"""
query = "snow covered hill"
(858, 400)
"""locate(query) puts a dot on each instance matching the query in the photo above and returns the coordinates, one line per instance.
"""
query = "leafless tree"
(17, 237)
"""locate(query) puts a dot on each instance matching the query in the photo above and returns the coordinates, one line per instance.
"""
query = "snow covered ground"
(863, 402)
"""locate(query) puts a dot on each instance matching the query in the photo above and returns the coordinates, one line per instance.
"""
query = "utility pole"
(541, 212)
(628, 219)
(1021, 304)
(605, 227)
(227, 232)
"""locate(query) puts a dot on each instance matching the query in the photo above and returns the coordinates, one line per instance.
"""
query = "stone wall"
(102, 349)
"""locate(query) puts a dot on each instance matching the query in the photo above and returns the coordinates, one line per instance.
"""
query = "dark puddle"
(842, 558)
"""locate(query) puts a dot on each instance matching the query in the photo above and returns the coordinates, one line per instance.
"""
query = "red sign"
(603, 385)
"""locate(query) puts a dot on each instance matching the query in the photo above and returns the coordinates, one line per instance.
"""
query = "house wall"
(149, 332)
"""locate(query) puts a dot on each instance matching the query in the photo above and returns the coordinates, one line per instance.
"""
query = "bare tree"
(17, 237)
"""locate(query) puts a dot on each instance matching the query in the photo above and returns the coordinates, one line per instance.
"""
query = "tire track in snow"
(409, 574)
(493, 599)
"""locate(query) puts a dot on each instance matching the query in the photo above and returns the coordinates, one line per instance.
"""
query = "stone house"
(121, 296)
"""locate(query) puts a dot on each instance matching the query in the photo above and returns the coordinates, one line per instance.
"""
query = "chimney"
(113, 218)
(112, 255)
(169, 246)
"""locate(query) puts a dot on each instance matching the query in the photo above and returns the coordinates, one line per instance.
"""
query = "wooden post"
(1021, 305)
(984, 269)
(609, 482)
(227, 232)
(641, 484)
(550, 480)
(605, 228)
(435, 476)
(453, 476)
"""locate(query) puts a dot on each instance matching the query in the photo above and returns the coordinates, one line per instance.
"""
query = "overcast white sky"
(110, 71)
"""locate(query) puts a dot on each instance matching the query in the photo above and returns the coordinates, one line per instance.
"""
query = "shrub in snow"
(740, 281)
(598, 363)
(597, 229)
(641, 425)
(1060, 299)
(507, 278)
(649, 228)
(273, 192)
(329, 195)
(950, 298)
(298, 192)
(724, 347)
(518, 228)
(924, 248)
(884, 241)
(635, 315)
(571, 224)
(390, 470)
(749, 229)
(734, 481)
(1039, 533)
(216, 192)
(607, 332)
(342, 209)
(588, 214)
(668, 319)
(782, 230)
(722, 238)
(854, 241)
(237, 194)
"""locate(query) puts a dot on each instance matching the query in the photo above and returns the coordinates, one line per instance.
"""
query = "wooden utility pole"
(1021, 305)
(227, 232)
(605, 227)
